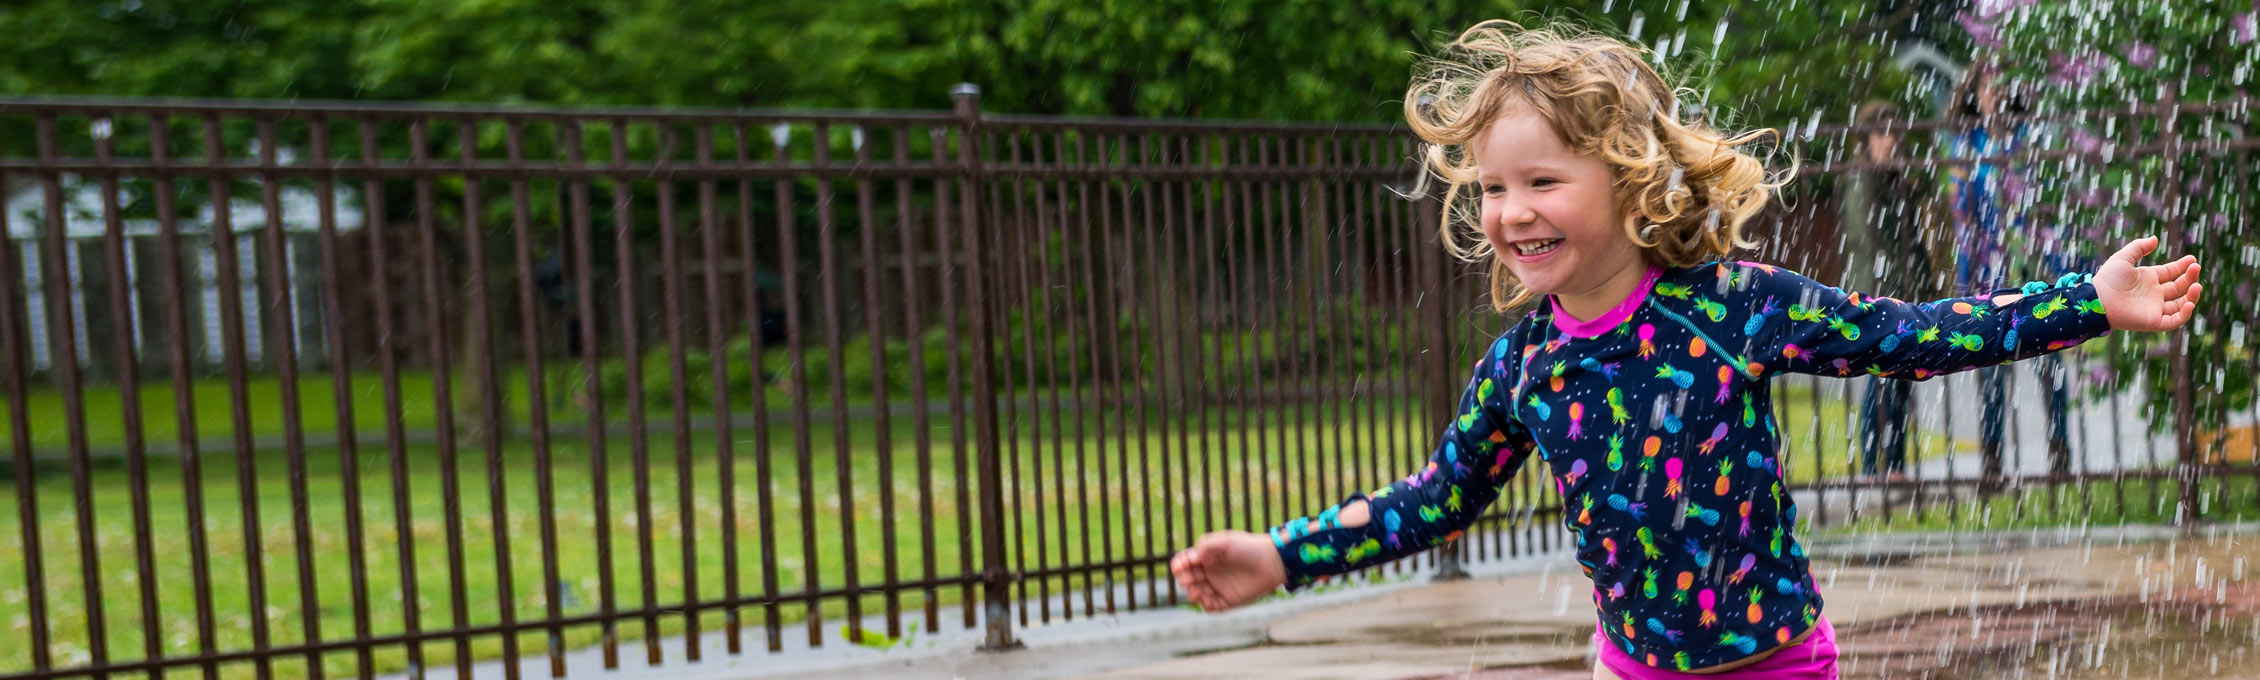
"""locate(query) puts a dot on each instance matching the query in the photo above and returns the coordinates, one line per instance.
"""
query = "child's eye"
(1494, 189)
(1543, 181)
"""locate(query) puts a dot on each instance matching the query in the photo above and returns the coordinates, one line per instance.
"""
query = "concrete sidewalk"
(1903, 605)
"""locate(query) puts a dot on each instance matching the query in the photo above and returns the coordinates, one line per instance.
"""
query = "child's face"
(1539, 192)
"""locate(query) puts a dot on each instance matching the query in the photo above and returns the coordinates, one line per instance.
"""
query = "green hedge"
(1348, 340)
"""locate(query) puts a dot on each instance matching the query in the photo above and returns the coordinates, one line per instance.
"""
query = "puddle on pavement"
(2203, 633)
(2199, 633)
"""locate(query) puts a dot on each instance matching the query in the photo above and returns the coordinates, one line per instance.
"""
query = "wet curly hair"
(1685, 189)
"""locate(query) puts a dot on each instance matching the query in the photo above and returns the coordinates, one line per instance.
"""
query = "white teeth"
(1534, 248)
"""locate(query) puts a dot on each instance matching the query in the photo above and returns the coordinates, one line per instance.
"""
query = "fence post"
(1440, 390)
(996, 598)
(2188, 464)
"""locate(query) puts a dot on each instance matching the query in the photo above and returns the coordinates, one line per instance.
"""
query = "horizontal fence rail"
(343, 389)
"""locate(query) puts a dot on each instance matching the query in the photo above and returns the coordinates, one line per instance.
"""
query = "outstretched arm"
(1482, 448)
(1804, 326)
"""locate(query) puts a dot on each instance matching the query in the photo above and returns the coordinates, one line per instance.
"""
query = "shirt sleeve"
(1482, 448)
(1804, 326)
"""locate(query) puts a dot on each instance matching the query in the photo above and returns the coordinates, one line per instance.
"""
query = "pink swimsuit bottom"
(1813, 659)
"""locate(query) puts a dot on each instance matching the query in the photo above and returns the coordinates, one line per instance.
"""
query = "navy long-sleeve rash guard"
(1657, 422)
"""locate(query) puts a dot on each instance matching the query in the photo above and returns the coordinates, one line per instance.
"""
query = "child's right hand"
(1226, 569)
(2153, 298)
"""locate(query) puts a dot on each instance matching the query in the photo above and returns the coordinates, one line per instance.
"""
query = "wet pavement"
(2138, 602)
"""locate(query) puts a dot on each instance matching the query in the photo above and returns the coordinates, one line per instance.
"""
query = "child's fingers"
(2177, 268)
(2188, 305)
(1202, 593)
(2171, 287)
(2178, 285)
(2133, 251)
(2173, 312)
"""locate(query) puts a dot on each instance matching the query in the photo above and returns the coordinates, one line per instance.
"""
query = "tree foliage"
(1199, 58)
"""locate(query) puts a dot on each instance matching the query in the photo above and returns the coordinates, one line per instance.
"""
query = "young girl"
(1643, 379)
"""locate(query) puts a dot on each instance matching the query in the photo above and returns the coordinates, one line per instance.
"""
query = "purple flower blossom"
(2084, 142)
(2244, 28)
(1981, 31)
(2074, 70)
(2148, 201)
(2142, 55)
(2013, 188)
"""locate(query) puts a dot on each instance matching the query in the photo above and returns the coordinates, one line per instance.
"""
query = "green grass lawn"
(1151, 498)
(1153, 486)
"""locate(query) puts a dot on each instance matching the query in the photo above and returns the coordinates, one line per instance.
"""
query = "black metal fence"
(540, 380)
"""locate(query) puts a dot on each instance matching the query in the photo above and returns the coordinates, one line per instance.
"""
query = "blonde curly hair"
(1695, 186)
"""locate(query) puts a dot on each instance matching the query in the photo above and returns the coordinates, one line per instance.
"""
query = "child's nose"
(1513, 213)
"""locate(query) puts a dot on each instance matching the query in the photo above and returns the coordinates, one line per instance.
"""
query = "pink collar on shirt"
(1588, 329)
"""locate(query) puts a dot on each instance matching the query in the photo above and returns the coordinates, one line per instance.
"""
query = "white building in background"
(26, 220)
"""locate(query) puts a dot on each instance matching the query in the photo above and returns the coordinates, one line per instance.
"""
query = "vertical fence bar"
(1093, 408)
(15, 333)
(443, 395)
(1262, 237)
(1044, 305)
(1238, 216)
(1437, 386)
(1410, 217)
(788, 258)
(231, 322)
(764, 470)
(671, 305)
(1310, 258)
(718, 380)
(1061, 166)
(828, 276)
(914, 333)
(388, 363)
(1014, 248)
(1367, 274)
(996, 581)
(62, 333)
(945, 279)
(490, 422)
(1291, 201)
(129, 390)
(537, 394)
(1132, 189)
(631, 343)
(867, 227)
(592, 377)
(184, 399)
(1181, 371)
(1187, 304)
(1166, 363)
(1215, 470)
(283, 332)
(1122, 393)
(341, 391)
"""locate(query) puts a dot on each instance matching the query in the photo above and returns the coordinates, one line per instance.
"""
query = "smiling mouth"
(1540, 247)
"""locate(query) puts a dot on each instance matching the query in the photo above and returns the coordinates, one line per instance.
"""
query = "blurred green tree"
(1349, 60)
